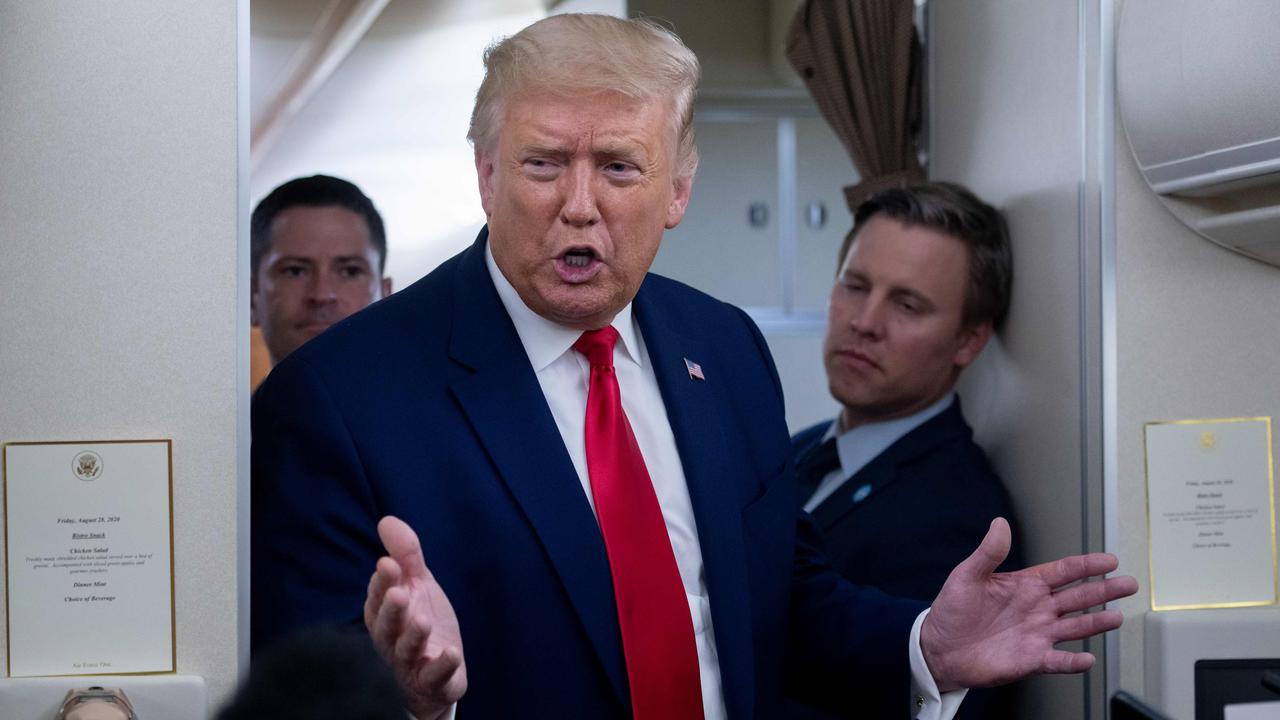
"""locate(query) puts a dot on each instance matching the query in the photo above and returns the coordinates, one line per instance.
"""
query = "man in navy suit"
(895, 483)
(459, 424)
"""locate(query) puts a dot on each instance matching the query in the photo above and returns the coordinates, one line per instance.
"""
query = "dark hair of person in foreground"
(318, 674)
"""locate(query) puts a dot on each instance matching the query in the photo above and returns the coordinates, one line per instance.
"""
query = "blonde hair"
(574, 53)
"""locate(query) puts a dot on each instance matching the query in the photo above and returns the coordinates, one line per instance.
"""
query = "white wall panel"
(118, 263)
(1006, 120)
(1021, 112)
(1197, 337)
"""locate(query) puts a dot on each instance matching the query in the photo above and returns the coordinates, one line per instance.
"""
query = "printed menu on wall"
(89, 557)
(1211, 513)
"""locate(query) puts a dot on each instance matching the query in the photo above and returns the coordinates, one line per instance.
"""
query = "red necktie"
(653, 612)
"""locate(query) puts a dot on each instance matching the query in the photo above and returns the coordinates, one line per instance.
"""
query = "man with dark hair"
(318, 251)
(895, 482)
(320, 674)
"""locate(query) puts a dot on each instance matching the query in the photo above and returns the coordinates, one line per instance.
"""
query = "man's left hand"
(987, 628)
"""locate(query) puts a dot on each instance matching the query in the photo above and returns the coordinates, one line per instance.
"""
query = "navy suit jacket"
(929, 499)
(932, 496)
(425, 406)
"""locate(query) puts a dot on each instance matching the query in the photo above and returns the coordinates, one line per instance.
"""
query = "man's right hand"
(413, 625)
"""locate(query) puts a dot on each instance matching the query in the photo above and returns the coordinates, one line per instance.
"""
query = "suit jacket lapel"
(695, 410)
(501, 397)
(875, 475)
(946, 426)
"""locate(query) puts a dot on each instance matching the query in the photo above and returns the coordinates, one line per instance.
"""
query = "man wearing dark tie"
(895, 483)
(580, 472)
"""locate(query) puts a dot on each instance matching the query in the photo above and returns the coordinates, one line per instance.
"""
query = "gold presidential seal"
(87, 465)
(1208, 440)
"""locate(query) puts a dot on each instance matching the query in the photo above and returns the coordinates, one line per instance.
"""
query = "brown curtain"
(861, 62)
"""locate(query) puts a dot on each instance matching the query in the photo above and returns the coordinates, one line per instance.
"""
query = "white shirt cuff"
(926, 702)
(453, 711)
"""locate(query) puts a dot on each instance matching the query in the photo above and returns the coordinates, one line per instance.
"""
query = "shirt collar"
(861, 445)
(544, 341)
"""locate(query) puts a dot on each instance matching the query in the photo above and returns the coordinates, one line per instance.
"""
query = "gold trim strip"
(89, 442)
(1215, 606)
(173, 594)
(112, 674)
(8, 631)
(1212, 421)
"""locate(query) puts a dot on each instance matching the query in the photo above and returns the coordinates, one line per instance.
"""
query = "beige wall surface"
(118, 263)
(1019, 95)
(1197, 337)
(1006, 119)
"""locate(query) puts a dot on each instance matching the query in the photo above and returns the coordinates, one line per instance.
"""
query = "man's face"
(895, 340)
(321, 268)
(578, 192)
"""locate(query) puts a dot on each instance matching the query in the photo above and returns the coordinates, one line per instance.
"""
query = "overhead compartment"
(1199, 97)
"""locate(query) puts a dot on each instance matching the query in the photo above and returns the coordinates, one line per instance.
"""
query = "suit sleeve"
(846, 645)
(313, 517)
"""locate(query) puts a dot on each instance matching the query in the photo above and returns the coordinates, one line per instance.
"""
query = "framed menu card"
(1211, 513)
(89, 557)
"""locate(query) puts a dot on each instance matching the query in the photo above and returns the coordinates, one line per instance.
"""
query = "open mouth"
(578, 265)
(579, 257)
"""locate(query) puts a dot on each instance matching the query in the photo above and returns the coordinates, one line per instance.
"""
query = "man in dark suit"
(895, 483)
(581, 470)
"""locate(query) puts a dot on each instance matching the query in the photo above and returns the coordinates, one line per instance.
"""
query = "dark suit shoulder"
(670, 308)
(695, 310)
(933, 485)
(808, 438)
(955, 486)
(425, 305)
(406, 332)
(680, 291)
(942, 456)
(729, 348)
(942, 452)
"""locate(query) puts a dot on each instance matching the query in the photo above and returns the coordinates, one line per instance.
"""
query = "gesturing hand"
(987, 628)
(413, 625)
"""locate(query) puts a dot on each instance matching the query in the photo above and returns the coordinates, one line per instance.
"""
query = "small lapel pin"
(695, 370)
(861, 493)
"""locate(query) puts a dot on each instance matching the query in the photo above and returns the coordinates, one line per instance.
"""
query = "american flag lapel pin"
(695, 370)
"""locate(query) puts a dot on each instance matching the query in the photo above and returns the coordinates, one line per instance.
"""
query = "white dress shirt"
(563, 375)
